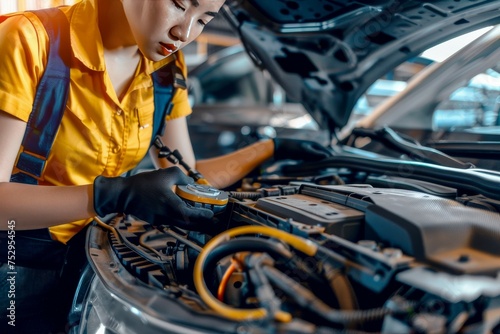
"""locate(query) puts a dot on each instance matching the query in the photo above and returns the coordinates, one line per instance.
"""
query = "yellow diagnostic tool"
(203, 196)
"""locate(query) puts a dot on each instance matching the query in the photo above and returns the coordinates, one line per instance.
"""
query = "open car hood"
(327, 53)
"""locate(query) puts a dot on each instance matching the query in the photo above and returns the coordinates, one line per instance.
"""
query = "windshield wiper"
(413, 149)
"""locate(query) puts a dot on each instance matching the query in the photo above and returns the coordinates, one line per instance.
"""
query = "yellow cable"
(107, 227)
(305, 246)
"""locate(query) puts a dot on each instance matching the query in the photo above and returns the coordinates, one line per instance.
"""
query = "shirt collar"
(86, 39)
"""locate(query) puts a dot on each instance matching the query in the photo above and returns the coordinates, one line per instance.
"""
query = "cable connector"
(164, 152)
(175, 158)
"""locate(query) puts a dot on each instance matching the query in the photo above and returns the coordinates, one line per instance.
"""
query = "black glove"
(296, 149)
(149, 197)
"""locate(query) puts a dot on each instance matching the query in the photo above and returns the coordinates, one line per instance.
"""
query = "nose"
(182, 30)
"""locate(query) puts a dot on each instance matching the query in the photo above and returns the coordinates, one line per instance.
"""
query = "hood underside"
(327, 53)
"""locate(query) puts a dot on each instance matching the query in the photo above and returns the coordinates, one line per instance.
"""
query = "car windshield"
(473, 104)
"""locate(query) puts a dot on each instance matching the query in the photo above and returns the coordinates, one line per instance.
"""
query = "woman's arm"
(220, 171)
(33, 206)
(225, 170)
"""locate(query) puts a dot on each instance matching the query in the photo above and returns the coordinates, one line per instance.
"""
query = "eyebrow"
(195, 3)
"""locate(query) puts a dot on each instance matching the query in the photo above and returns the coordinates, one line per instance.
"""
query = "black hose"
(245, 195)
(309, 301)
(475, 180)
(244, 244)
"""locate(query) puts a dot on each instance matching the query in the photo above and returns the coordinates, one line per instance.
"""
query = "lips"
(167, 49)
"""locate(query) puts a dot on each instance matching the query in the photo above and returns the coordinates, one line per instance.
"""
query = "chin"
(153, 54)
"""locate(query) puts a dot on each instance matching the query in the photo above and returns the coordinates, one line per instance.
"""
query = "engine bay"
(310, 255)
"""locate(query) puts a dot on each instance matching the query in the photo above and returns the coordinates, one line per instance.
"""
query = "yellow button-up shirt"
(99, 134)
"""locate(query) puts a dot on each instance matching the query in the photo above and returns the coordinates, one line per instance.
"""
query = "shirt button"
(118, 111)
(143, 126)
(116, 149)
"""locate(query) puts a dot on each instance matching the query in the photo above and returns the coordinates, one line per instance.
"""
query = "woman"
(116, 46)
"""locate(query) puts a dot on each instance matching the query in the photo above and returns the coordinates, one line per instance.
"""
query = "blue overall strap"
(165, 80)
(50, 100)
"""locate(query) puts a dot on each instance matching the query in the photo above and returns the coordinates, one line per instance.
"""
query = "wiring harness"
(255, 250)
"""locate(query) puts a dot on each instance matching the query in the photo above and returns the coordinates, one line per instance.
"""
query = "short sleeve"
(22, 62)
(180, 99)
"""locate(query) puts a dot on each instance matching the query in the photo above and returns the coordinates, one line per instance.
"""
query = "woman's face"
(161, 27)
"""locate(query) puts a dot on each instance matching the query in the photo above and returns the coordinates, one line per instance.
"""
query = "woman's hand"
(149, 196)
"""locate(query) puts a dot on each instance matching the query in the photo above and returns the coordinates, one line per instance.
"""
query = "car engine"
(342, 250)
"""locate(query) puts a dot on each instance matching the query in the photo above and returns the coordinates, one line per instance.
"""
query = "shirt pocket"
(144, 127)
